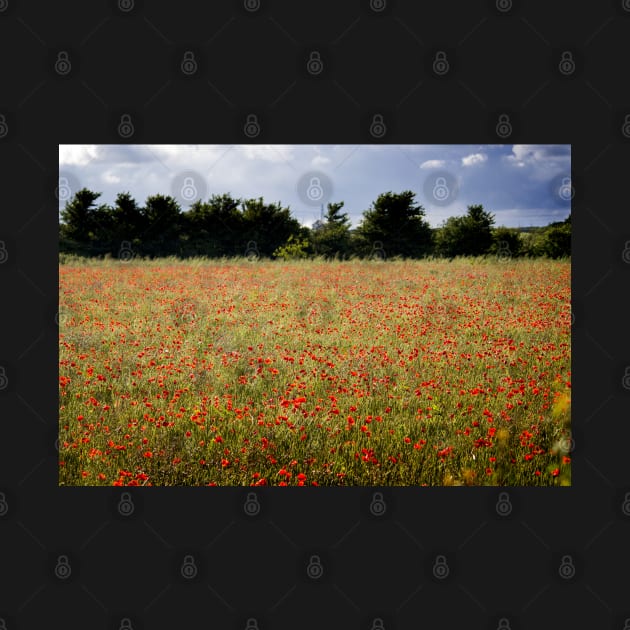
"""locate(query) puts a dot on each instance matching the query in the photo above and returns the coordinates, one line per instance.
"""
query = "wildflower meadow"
(251, 372)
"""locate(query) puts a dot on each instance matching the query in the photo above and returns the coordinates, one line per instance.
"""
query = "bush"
(506, 241)
(292, 249)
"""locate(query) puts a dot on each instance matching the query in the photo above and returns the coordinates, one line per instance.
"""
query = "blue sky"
(520, 185)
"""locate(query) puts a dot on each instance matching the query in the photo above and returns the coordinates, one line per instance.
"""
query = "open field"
(237, 372)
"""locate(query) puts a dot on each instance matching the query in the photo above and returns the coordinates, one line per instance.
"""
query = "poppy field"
(240, 372)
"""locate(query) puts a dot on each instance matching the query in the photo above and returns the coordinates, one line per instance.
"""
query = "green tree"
(215, 227)
(331, 238)
(79, 217)
(449, 238)
(468, 235)
(552, 241)
(396, 221)
(162, 217)
(478, 224)
(506, 241)
(556, 241)
(127, 218)
(268, 225)
(85, 228)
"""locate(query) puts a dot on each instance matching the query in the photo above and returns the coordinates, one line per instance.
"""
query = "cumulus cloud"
(539, 154)
(433, 164)
(475, 158)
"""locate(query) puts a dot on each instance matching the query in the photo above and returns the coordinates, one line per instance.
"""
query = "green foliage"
(449, 236)
(331, 238)
(396, 221)
(127, 219)
(161, 218)
(269, 225)
(556, 242)
(78, 216)
(292, 249)
(469, 235)
(552, 241)
(224, 226)
(214, 227)
(506, 241)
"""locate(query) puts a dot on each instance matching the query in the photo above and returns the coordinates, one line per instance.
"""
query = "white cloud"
(475, 158)
(77, 154)
(541, 160)
(111, 178)
(538, 153)
(524, 152)
(521, 153)
(433, 164)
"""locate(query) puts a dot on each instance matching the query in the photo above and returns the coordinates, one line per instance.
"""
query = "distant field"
(377, 373)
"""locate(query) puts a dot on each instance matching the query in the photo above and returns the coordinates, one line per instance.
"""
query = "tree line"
(394, 225)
